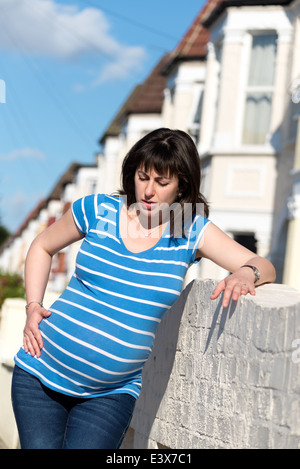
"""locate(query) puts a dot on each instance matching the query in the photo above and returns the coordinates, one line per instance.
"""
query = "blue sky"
(68, 65)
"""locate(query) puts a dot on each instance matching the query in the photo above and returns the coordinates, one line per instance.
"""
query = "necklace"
(146, 233)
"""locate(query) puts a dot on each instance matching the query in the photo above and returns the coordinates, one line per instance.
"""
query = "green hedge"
(11, 286)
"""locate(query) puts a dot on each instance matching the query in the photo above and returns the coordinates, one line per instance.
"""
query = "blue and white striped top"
(102, 327)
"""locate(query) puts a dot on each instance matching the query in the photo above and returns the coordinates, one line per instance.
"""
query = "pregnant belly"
(93, 351)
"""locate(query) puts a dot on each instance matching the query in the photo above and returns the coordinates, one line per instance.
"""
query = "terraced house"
(231, 83)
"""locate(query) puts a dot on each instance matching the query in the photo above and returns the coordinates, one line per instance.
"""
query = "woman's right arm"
(37, 268)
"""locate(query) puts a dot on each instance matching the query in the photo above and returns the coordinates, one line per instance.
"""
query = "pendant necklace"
(148, 233)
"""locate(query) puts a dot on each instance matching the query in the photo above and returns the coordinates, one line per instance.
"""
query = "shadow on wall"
(226, 313)
(160, 363)
(162, 359)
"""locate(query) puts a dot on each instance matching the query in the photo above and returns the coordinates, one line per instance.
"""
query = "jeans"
(47, 419)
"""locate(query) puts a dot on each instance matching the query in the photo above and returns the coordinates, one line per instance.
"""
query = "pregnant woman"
(78, 374)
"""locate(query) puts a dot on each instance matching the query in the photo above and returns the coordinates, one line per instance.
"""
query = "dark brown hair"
(171, 152)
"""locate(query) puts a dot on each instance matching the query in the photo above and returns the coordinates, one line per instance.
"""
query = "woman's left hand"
(232, 256)
(235, 285)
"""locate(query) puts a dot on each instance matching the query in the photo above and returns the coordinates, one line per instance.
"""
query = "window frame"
(246, 89)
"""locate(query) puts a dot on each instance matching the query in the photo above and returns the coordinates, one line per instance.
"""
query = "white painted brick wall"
(223, 378)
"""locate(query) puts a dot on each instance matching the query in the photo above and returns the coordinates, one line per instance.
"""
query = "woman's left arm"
(230, 255)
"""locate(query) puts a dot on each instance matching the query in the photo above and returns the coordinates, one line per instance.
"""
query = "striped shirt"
(102, 327)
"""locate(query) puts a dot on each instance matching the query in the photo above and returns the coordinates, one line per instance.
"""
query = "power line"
(45, 80)
(138, 24)
(47, 84)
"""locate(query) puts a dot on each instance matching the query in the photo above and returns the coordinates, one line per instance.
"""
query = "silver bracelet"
(255, 270)
(39, 302)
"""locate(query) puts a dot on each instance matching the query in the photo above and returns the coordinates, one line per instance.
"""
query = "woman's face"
(152, 190)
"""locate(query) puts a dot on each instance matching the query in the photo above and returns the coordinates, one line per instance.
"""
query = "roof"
(32, 215)
(146, 98)
(193, 45)
(116, 124)
(66, 178)
(150, 96)
(194, 42)
(55, 194)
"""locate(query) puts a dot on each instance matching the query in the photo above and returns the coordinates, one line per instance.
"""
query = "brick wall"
(223, 378)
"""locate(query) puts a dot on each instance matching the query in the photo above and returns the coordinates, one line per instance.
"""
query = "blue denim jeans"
(50, 420)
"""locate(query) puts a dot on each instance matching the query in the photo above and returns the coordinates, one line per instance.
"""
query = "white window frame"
(244, 89)
(194, 127)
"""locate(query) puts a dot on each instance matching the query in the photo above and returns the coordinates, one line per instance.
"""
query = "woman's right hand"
(32, 337)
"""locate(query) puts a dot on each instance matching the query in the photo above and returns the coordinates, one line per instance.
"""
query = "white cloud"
(18, 200)
(49, 29)
(22, 153)
(17, 207)
(126, 61)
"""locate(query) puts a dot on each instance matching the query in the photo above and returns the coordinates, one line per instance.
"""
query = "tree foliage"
(11, 286)
(4, 234)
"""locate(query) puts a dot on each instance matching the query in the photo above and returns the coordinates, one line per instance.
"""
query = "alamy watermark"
(142, 220)
(296, 353)
(294, 90)
(2, 92)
